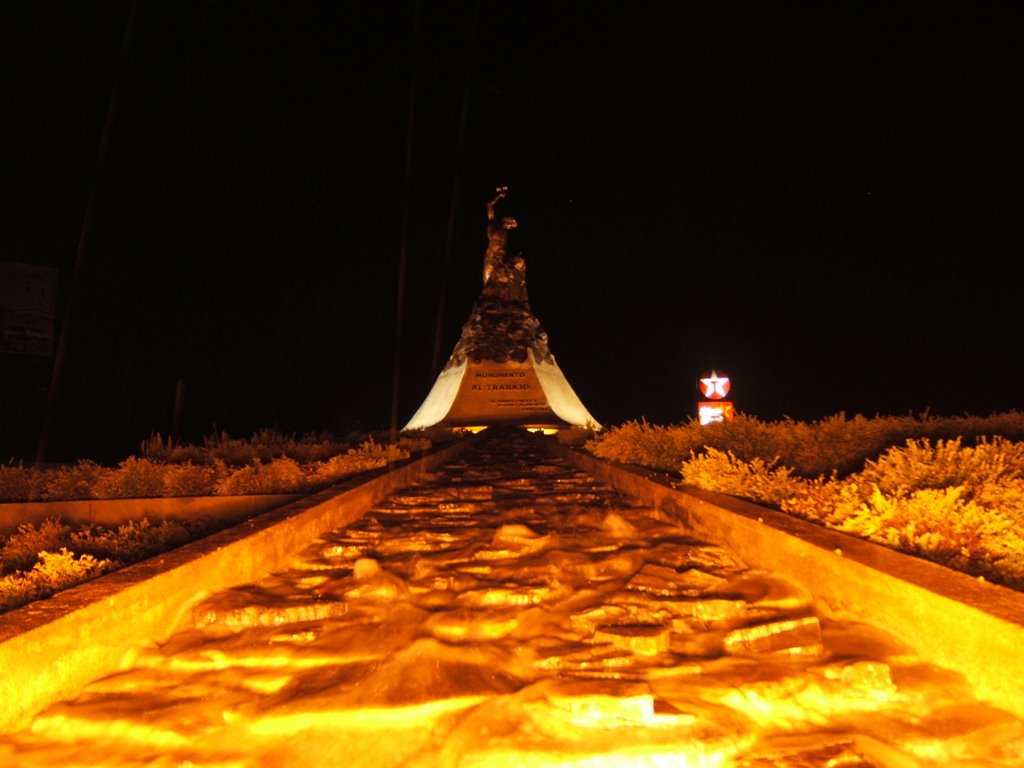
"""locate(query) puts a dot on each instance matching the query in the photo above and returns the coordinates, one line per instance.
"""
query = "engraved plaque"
(500, 392)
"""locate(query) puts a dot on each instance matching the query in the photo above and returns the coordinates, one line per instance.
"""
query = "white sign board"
(28, 296)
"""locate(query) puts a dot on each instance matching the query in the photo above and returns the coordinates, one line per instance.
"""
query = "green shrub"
(810, 450)
(54, 572)
(836, 444)
(21, 549)
(757, 480)
(270, 462)
(823, 500)
(233, 452)
(940, 525)
(132, 479)
(1007, 497)
(369, 455)
(649, 445)
(165, 450)
(76, 481)
(336, 468)
(378, 454)
(961, 506)
(132, 541)
(746, 437)
(189, 479)
(921, 464)
(314, 447)
(18, 483)
(29, 569)
(282, 475)
(267, 445)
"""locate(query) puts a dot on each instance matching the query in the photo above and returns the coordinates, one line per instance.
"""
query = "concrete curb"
(50, 649)
(950, 619)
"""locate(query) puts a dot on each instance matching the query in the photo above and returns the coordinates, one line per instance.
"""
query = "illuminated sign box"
(715, 387)
(714, 412)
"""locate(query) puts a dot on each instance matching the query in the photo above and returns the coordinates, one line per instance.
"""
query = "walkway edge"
(950, 619)
(50, 649)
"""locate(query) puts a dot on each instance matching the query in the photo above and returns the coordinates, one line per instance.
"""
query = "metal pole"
(83, 243)
(448, 244)
(404, 247)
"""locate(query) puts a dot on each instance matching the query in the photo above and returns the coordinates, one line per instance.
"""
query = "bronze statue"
(504, 275)
(497, 235)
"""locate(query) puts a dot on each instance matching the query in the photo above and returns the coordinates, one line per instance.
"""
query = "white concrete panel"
(439, 400)
(561, 397)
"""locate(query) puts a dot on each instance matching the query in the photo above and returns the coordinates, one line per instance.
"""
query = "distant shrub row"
(42, 559)
(947, 489)
(268, 463)
(835, 444)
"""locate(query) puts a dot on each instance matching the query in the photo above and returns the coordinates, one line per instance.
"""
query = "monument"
(501, 370)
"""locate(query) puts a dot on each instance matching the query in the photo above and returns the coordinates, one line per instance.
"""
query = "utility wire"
(456, 181)
(84, 234)
(404, 246)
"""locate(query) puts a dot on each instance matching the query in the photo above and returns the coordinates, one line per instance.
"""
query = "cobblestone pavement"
(512, 611)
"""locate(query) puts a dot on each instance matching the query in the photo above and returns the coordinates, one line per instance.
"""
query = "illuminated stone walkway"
(512, 612)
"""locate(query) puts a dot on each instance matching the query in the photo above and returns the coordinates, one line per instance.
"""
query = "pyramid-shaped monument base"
(502, 372)
(532, 394)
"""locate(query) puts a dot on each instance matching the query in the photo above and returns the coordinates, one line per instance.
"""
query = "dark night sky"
(820, 200)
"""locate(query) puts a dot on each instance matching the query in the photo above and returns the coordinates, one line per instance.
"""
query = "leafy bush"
(265, 444)
(158, 448)
(941, 525)
(921, 464)
(53, 573)
(823, 500)
(282, 475)
(836, 444)
(758, 480)
(28, 568)
(648, 445)
(132, 479)
(135, 540)
(339, 467)
(18, 483)
(21, 550)
(269, 463)
(959, 505)
(39, 561)
(76, 481)
(189, 479)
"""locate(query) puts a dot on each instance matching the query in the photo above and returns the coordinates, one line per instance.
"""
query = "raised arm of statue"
(501, 193)
(497, 234)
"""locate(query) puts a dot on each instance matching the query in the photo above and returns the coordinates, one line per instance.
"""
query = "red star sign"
(715, 387)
